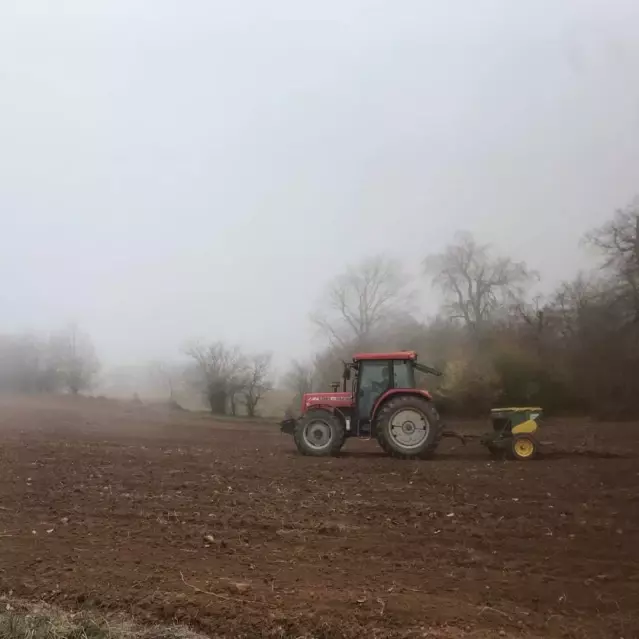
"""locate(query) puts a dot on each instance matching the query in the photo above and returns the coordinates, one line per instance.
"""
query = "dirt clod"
(239, 587)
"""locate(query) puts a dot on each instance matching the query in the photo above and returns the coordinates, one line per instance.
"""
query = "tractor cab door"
(373, 380)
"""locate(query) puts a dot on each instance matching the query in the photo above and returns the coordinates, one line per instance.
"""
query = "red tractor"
(383, 402)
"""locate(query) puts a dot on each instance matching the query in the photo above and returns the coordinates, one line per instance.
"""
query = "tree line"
(64, 360)
(575, 349)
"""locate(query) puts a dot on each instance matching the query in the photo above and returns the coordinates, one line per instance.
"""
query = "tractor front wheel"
(408, 427)
(319, 433)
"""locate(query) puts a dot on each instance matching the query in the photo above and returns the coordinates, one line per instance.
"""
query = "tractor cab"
(375, 375)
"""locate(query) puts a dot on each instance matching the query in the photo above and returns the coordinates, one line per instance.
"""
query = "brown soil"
(172, 517)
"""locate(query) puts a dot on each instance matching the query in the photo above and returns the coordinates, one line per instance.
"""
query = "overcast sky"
(200, 168)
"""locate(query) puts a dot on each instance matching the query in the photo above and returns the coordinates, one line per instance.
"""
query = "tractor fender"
(328, 407)
(288, 425)
(331, 409)
(396, 392)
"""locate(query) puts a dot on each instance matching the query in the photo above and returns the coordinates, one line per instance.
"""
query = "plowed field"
(172, 516)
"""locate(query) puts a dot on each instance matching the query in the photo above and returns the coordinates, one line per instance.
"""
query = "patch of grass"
(40, 621)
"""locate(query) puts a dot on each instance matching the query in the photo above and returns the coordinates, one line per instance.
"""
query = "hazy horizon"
(172, 171)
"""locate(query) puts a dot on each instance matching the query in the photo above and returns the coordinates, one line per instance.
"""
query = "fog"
(178, 170)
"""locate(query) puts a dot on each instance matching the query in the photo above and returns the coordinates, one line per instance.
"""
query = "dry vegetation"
(27, 620)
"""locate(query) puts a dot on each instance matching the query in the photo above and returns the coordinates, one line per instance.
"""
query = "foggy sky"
(199, 169)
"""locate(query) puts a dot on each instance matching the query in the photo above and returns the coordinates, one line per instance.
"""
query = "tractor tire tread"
(429, 411)
(336, 424)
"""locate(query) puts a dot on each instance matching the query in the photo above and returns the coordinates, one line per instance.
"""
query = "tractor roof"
(412, 355)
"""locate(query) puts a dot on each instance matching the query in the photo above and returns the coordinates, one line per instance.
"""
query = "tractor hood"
(333, 400)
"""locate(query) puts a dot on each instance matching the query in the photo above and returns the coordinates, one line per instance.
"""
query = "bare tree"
(258, 381)
(299, 378)
(530, 320)
(218, 374)
(167, 375)
(236, 376)
(362, 301)
(235, 386)
(74, 358)
(26, 365)
(618, 241)
(475, 283)
(571, 304)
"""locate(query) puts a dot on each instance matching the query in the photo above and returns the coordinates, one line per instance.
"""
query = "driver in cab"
(383, 385)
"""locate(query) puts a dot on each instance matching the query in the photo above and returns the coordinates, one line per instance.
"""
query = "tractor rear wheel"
(319, 433)
(409, 427)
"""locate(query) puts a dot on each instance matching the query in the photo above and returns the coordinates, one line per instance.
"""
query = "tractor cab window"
(403, 373)
(374, 379)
